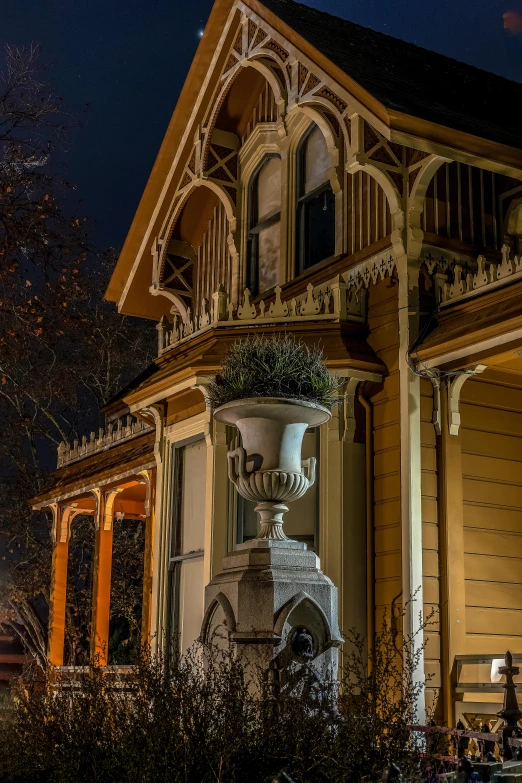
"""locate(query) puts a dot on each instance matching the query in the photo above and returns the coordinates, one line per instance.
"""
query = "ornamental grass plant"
(171, 721)
(276, 366)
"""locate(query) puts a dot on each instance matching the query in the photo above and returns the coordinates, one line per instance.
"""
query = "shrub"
(277, 366)
(172, 722)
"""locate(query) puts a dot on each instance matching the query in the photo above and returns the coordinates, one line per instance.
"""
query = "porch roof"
(99, 468)
(473, 330)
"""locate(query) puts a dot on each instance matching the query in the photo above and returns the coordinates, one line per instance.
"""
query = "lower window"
(186, 576)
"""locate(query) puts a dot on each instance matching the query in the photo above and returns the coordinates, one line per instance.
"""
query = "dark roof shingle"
(410, 79)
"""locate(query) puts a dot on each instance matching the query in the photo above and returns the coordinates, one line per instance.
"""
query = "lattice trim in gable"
(261, 35)
(329, 95)
(187, 179)
(311, 83)
(230, 63)
(302, 73)
(277, 49)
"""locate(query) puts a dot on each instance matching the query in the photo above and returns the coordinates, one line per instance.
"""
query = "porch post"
(56, 640)
(410, 462)
(147, 557)
(102, 585)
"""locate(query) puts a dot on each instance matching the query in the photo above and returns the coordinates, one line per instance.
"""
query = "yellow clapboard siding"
(386, 437)
(388, 539)
(432, 671)
(497, 569)
(432, 649)
(390, 356)
(431, 590)
(426, 387)
(385, 591)
(387, 565)
(430, 562)
(488, 644)
(387, 487)
(426, 407)
(387, 462)
(429, 510)
(491, 445)
(429, 484)
(386, 412)
(431, 616)
(492, 493)
(494, 621)
(483, 517)
(490, 395)
(428, 435)
(493, 595)
(382, 293)
(491, 420)
(428, 458)
(492, 468)
(430, 536)
(492, 542)
(388, 384)
(387, 513)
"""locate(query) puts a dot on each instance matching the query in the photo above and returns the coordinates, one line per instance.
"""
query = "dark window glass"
(264, 227)
(316, 203)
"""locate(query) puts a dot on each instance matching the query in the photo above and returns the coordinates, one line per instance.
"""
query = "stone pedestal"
(275, 609)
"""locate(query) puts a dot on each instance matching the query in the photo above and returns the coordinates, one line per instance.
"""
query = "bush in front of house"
(276, 366)
(174, 721)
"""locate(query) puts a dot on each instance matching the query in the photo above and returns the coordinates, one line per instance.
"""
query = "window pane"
(300, 519)
(268, 256)
(191, 601)
(268, 189)
(319, 228)
(193, 492)
(317, 161)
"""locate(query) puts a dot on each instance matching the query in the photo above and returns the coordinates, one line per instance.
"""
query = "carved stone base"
(275, 609)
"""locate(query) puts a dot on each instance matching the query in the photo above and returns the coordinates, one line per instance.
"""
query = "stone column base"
(275, 609)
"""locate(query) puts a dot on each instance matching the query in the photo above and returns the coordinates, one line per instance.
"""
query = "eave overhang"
(472, 331)
(188, 366)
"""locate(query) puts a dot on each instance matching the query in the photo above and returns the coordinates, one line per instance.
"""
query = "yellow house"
(321, 179)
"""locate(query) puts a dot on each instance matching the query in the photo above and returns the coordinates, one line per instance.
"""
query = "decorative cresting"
(464, 278)
(124, 428)
(330, 301)
(267, 468)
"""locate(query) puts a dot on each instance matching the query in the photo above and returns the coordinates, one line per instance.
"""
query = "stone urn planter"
(268, 468)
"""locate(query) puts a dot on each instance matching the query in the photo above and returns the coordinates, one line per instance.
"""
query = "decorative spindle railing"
(124, 428)
(463, 280)
(331, 301)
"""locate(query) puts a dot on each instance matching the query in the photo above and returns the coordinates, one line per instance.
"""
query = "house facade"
(325, 181)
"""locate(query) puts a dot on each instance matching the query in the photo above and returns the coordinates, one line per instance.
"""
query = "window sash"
(176, 557)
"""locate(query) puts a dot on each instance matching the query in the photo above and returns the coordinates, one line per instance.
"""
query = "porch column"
(58, 594)
(410, 456)
(147, 557)
(102, 585)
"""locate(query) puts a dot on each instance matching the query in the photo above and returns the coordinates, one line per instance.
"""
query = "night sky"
(128, 59)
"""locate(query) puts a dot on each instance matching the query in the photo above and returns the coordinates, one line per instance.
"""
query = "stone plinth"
(272, 605)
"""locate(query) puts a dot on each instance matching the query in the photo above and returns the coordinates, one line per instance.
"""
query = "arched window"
(316, 202)
(264, 235)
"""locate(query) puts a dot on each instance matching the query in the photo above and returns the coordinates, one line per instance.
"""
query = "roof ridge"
(402, 41)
